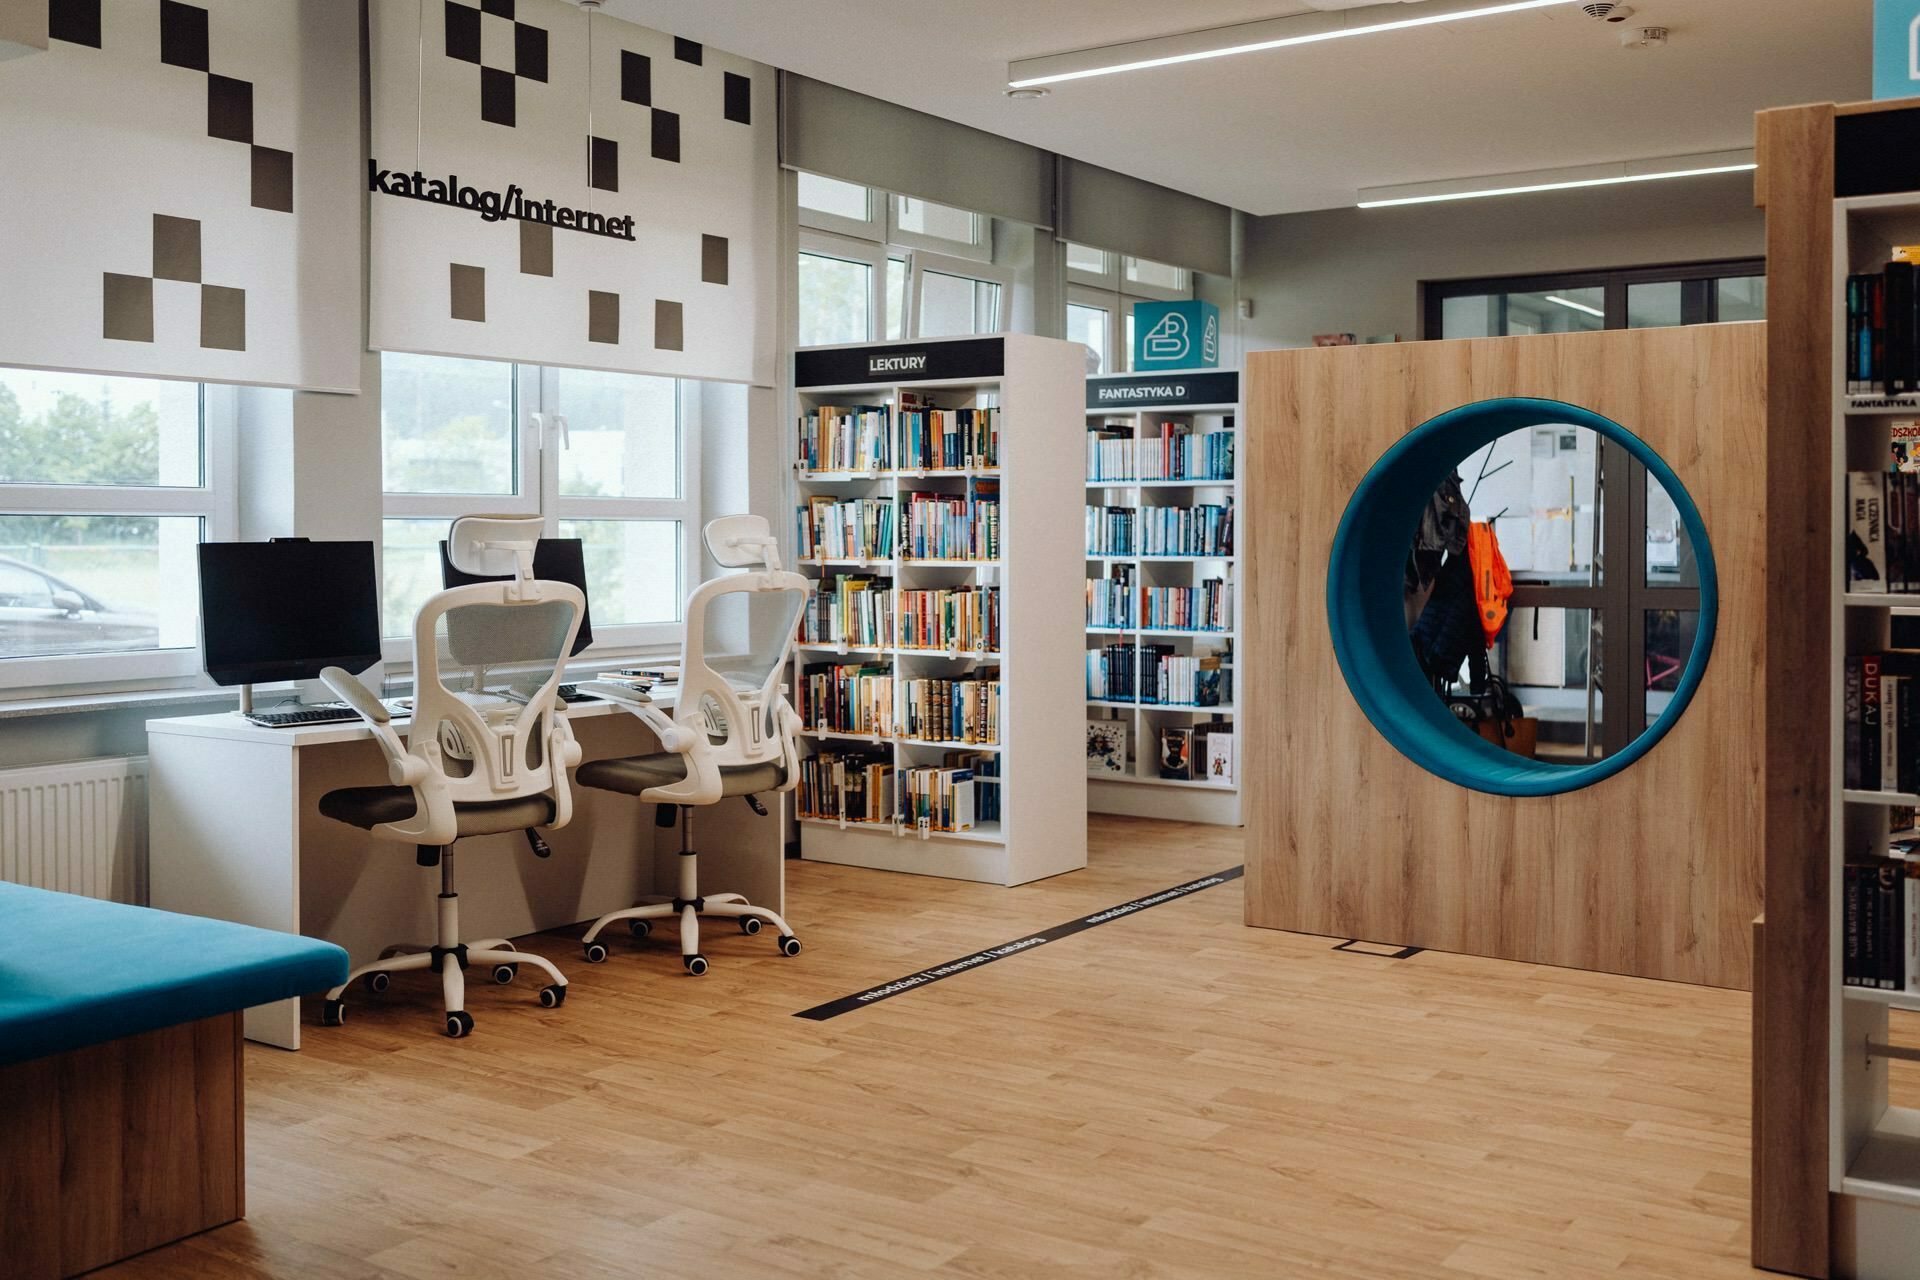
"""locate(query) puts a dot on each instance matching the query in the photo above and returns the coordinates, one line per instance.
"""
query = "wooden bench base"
(119, 1147)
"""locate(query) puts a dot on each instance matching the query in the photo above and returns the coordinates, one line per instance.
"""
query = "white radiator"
(79, 827)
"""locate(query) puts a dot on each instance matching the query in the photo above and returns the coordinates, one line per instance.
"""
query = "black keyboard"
(574, 693)
(291, 717)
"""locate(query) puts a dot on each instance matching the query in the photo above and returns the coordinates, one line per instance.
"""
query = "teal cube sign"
(1896, 48)
(1177, 335)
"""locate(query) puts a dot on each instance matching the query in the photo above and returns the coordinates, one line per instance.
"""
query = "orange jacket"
(1492, 583)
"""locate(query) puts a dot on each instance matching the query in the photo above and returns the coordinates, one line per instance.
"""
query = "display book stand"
(1035, 385)
(1207, 401)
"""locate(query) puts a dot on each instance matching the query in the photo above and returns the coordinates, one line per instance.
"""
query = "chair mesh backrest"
(740, 632)
(487, 667)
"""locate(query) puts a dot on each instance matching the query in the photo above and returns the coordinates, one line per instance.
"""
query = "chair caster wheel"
(696, 965)
(639, 928)
(749, 925)
(596, 952)
(552, 997)
(333, 1013)
(459, 1024)
(505, 973)
(789, 945)
(379, 982)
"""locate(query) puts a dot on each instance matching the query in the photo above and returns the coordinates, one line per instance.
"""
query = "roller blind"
(838, 133)
(1111, 211)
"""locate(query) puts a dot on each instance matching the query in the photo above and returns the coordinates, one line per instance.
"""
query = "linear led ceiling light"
(1250, 37)
(1592, 175)
(1571, 305)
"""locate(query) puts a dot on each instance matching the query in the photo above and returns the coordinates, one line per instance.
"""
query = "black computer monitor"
(556, 560)
(284, 610)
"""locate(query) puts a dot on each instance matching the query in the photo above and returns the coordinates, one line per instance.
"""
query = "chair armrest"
(403, 767)
(672, 737)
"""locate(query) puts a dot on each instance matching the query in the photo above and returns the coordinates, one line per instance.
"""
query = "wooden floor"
(1171, 1094)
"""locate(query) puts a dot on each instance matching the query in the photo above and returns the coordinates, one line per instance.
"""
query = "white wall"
(1359, 270)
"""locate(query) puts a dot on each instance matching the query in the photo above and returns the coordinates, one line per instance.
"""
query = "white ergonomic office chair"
(731, 734)
(487, 752)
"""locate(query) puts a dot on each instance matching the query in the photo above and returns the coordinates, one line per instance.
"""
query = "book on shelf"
(845, 528)
(1106, 748)
(1110, 452)
(965, 619)
(851, 786)
(1880, 932)
(947, 526)
(937, 798)
(1110, 673)
(856, 610)
(1880, 727)
(1206, 607)
(1866, 531)
(1110, 531)
(1114, 601)
(1219, 757)
(938, 709)
(1182, 679)
(857, 438)
(1176, 752)
(985, 767)
(935, 439)
(846, 698)
(1181, 451)
(1905, 433)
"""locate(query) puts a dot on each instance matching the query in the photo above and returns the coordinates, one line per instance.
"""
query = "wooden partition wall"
(1655, 871)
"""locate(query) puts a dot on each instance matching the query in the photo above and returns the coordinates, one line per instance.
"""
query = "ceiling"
(1301, 128)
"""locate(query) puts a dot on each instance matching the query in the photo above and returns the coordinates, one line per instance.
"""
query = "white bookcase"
(1207, 402)
(1875, 1148)
(1035, 385)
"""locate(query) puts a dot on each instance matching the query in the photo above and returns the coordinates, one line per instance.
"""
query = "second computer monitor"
(554, 559)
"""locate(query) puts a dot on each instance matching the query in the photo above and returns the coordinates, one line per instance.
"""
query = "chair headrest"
(495, 546)
(740, 542)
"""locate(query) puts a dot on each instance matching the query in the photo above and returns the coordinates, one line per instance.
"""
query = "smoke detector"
(1644, 38)
(1607, 11)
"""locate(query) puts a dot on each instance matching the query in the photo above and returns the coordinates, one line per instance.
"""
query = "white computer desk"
(236, 834)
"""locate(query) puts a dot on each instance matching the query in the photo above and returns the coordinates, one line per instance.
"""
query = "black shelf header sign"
(952, 360)
(1163, 390)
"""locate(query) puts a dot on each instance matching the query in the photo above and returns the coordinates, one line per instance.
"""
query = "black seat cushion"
(368, 807)
(636, 774)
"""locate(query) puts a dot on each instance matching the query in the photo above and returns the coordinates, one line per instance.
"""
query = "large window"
(876, 267)
(603, 457)
(1102, 288)
(107, 488)
(1577, 302)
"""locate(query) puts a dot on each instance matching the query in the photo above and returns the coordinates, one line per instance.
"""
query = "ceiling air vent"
(1606, 11)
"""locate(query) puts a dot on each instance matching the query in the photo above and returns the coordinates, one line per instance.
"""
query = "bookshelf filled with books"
(933, 505)
(1874, 884)
(1163, 596)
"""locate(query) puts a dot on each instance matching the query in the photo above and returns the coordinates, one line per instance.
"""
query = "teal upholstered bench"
(120, 1071)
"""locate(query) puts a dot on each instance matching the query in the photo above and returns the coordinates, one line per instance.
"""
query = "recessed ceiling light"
(1250, 37)
(1027, 93)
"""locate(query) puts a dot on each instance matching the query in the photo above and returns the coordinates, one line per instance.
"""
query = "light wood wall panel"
(1654, 872)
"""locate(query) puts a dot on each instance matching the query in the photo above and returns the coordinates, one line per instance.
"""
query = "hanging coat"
(1492, 583)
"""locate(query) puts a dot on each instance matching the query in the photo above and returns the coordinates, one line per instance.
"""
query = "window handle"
(560, 424)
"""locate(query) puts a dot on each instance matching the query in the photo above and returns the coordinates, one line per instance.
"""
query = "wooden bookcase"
(1036, 387)
(1836, 1168)
(1206, 401)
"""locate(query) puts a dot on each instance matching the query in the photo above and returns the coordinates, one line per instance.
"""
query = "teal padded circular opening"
(1369, 623)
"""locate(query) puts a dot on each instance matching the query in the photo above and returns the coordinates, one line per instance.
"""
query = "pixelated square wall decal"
(126, 307)
(603, 316)
(468, 292)
(223, 317)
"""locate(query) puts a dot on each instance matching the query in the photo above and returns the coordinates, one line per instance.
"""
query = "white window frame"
(1115, 307)
(872, 227)
(921, 261)
(215, 502)
(876, 256)
(541, 438)
(978, 248)
(1112, 278)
